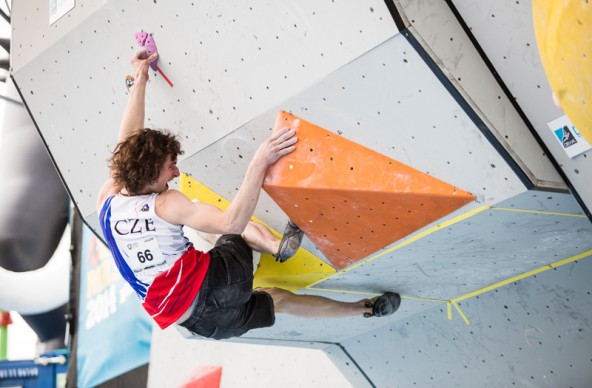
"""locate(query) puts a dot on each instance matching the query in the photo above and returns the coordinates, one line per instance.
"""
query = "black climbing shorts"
(226, 304)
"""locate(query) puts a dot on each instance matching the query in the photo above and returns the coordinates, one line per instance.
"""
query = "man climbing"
(209, 293)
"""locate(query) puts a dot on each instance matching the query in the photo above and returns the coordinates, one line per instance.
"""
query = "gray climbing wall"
(423, 96)
(226, 69)
(531, 333)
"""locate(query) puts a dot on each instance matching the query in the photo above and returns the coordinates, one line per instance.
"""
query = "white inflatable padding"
(38, 291)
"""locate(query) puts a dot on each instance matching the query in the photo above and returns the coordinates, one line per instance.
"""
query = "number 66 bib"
(143, 255)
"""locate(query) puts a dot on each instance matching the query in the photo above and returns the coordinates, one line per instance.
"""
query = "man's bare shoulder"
(108, 189)
(171, 194)
(171, 204)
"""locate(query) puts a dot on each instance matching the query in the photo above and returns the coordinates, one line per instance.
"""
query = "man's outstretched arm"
(244, 203)
(133, 117)
(176, 208)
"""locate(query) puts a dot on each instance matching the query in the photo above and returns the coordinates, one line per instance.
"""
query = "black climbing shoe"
(290, 243)
(384, 305)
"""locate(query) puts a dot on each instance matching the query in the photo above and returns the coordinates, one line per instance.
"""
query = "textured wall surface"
(226, 66)
(531, 333)
(505, 31)
(513, 264)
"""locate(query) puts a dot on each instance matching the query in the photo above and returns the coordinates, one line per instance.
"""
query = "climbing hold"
(349, 200)
(147, 41)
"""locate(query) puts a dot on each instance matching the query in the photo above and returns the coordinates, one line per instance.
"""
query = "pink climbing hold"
(147, 41)
(151, 49)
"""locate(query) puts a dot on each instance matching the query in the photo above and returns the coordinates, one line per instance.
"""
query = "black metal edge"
(394, 11)
(353, 361)
(526, 181)
(24, 102)
(74, 303)
(517, 107)
(398, 19)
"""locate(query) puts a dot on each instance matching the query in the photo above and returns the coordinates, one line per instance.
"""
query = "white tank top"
(148, 244)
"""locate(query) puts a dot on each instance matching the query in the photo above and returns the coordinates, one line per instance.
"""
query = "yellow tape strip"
(454, 302)
(343, 291)
(512, 280)
(446, 224)
(373, 294)
(460, 312)
(418, 236)
(539, 212)
(426, 299)
(524, 275)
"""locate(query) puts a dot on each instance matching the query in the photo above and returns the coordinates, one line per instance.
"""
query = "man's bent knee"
(278, 295)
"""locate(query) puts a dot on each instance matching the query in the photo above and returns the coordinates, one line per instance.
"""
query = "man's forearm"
(133, 117)
(244, 203)
(243, 206)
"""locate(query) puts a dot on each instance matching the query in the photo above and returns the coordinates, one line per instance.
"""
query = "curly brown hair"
(137, 161)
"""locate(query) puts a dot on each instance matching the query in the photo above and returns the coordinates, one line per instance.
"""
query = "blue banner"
(113, 329)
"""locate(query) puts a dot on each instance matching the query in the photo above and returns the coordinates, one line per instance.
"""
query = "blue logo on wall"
(565, 136)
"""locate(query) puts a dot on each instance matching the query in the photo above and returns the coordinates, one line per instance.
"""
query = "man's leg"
(260, 239)
(312, 306)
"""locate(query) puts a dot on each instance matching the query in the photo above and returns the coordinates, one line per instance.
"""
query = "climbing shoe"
(383, 305)
(290, 242)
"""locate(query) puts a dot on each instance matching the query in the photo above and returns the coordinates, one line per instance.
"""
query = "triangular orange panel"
(350, 200)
